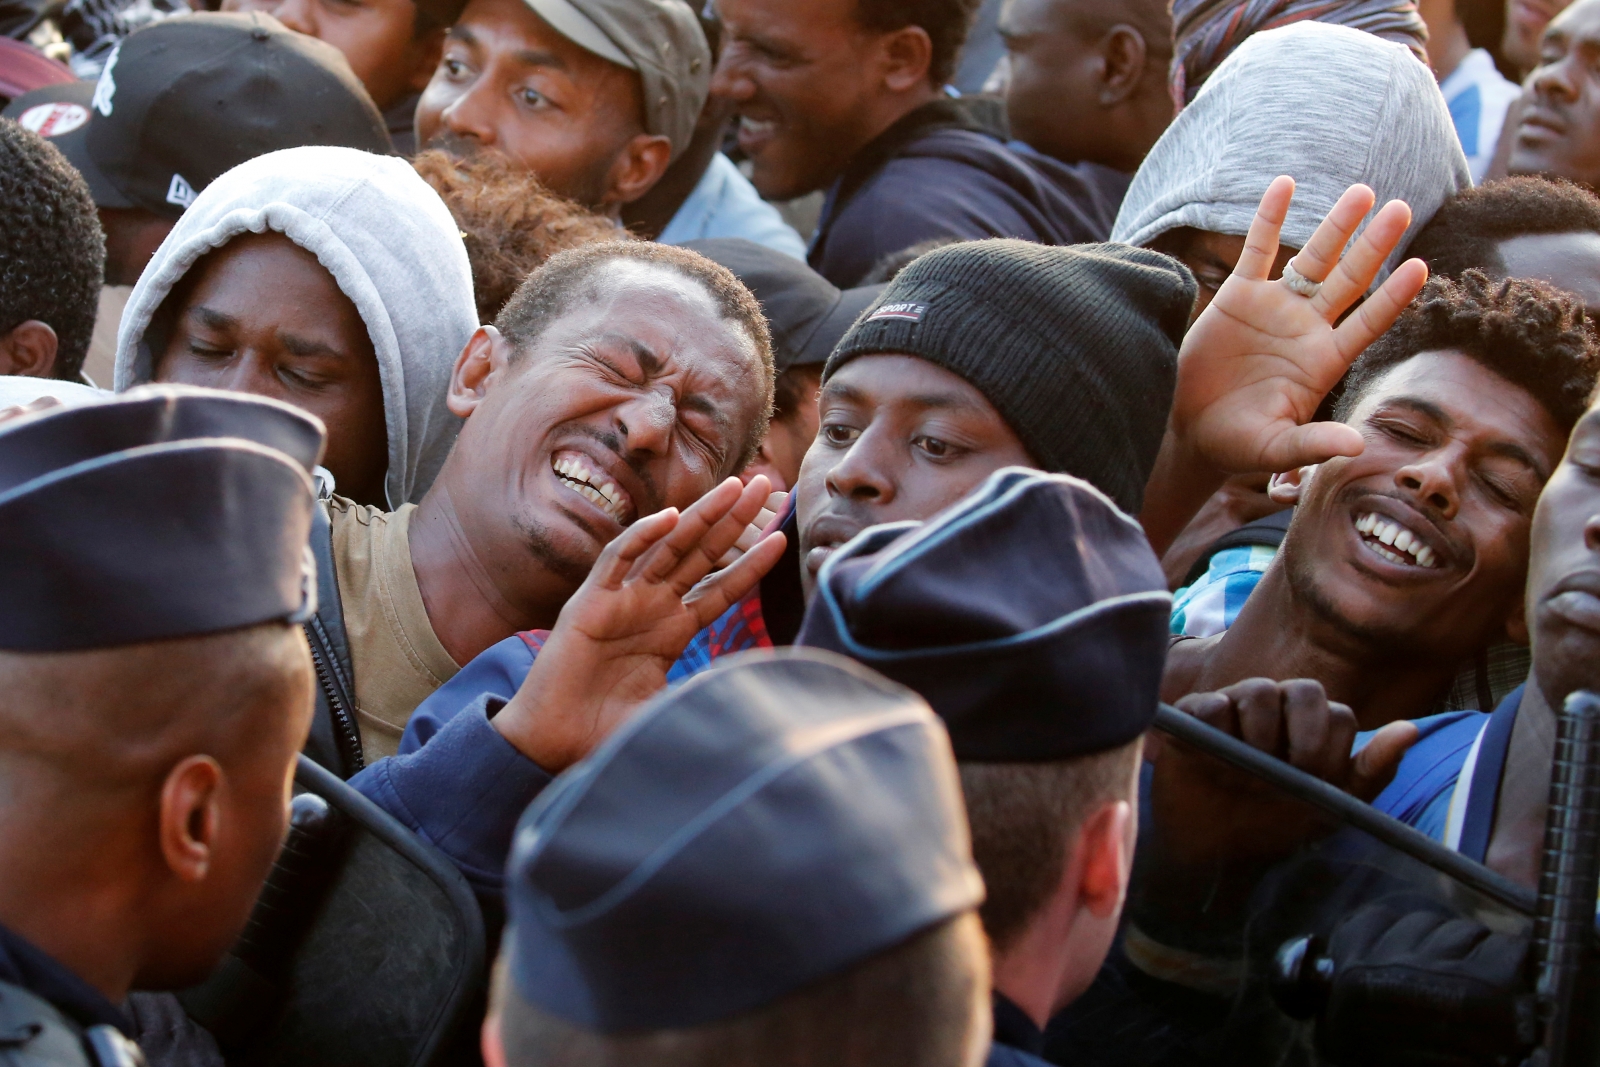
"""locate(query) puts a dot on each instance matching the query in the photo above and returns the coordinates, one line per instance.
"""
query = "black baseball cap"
(807, 313)
(184, 100)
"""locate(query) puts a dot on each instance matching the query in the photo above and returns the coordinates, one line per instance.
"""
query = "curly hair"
(509, 221)
(571, 275)
(947, 23)
(1467, 231)
(1529, 333)
(52, 253)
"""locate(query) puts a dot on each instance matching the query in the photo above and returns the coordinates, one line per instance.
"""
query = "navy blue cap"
(770, 822)
(1032, 615)
(165, 512)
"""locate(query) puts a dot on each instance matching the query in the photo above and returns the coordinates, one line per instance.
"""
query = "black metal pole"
(1362, 816)
(1570, 877)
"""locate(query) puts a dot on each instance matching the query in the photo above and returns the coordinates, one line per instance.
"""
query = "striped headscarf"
(1205, 32)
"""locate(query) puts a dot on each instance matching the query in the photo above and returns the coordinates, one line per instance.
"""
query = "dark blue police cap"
(165, 512)
(771, 822)
(1032, 615)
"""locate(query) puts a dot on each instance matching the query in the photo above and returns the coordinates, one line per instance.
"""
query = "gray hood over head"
(1327, 105)
(389, 242)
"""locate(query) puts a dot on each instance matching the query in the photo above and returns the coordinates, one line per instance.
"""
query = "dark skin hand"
(508, 83)
(1088, 78)
(377, 37)
(812, 86)
(1558, 134)
(641, 398)
(1453, 460)
(1563, 608)
(261, 315)
(1207, 810)
(621, 632)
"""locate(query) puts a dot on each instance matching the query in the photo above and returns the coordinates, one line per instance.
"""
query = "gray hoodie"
(1327, 105)
(390, 243)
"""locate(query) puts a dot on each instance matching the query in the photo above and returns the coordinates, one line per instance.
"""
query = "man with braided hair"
(1408, 560)
(52, 256)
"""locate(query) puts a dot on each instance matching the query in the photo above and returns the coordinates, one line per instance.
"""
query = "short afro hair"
(52, 252)
(566, 277)
(510, 222)
(1529, 333)
(1468, 230)
(947, 23)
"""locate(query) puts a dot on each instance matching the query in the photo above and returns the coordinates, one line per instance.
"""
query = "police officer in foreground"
(766, 865)
(154, 692)
(1046, 683)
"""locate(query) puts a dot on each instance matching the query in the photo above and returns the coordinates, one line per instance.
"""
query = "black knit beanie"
(1076, 347)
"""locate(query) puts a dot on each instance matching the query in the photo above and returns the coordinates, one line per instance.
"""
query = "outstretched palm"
(1258, 361)
(633, 616)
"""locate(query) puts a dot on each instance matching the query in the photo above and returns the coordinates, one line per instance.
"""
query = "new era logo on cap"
(180, 192)
(903, 312)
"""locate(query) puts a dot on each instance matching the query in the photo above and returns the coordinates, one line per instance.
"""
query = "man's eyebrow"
(533, 57)
(706, 406)
(303, 346)
(458, 32)
(1426, 408)
(768, 45)
(212, 319)
(1517, 454)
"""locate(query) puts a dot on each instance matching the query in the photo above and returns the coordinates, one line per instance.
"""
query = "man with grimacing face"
(1407, 560)
(1558, 133)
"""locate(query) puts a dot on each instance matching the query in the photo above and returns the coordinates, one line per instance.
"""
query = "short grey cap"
(660, 40)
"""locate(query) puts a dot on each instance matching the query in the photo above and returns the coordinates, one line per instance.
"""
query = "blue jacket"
(940, 172)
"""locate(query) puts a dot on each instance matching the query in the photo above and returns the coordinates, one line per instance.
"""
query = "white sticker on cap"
(180, 192)
(53, 120)
(902, 312)
(106, 88)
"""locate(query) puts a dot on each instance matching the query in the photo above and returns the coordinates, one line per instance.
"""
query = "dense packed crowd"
(582, 533)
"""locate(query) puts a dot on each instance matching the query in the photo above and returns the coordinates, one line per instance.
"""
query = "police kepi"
(768, 863)
(154, 691)
(1032, 616)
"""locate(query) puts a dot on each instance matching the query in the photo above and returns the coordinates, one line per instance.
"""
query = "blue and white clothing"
(725, 204)
(1212, 602)
(1449, 781)
(1478, 96)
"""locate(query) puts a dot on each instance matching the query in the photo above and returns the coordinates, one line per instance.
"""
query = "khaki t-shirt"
(397, 659)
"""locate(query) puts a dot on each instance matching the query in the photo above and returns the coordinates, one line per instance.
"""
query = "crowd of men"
(728, 488)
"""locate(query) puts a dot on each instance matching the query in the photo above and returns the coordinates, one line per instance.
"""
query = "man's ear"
(486, 352)
(1286, 488)
(637, 168)
(1105, 842)
(191, 817)
(906, 53)
(425, 55)
(29, 351)
(1123, 53)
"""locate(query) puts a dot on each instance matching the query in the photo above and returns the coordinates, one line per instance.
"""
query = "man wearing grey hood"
(1333, 107)
(335, 280)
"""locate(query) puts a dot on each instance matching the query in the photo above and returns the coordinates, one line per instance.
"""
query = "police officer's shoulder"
(34, 1034)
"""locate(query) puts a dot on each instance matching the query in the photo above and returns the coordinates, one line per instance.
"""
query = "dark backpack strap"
(335, 741)
(1269, 532)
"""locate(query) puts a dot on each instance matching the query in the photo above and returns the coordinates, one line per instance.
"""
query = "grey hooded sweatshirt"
(1328, 106)
(389, 242)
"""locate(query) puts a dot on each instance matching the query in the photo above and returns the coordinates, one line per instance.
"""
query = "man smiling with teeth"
(1406, 561)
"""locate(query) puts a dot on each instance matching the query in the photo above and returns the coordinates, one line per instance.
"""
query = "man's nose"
(1555, 81)
(1591, 533)
(731, 80)
(645, 424)
(863, 472)
(471, 114)
(1432, 479)
(294, 14)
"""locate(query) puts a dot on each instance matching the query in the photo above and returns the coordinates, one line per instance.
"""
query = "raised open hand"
(1258, 361)
(646, 597)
